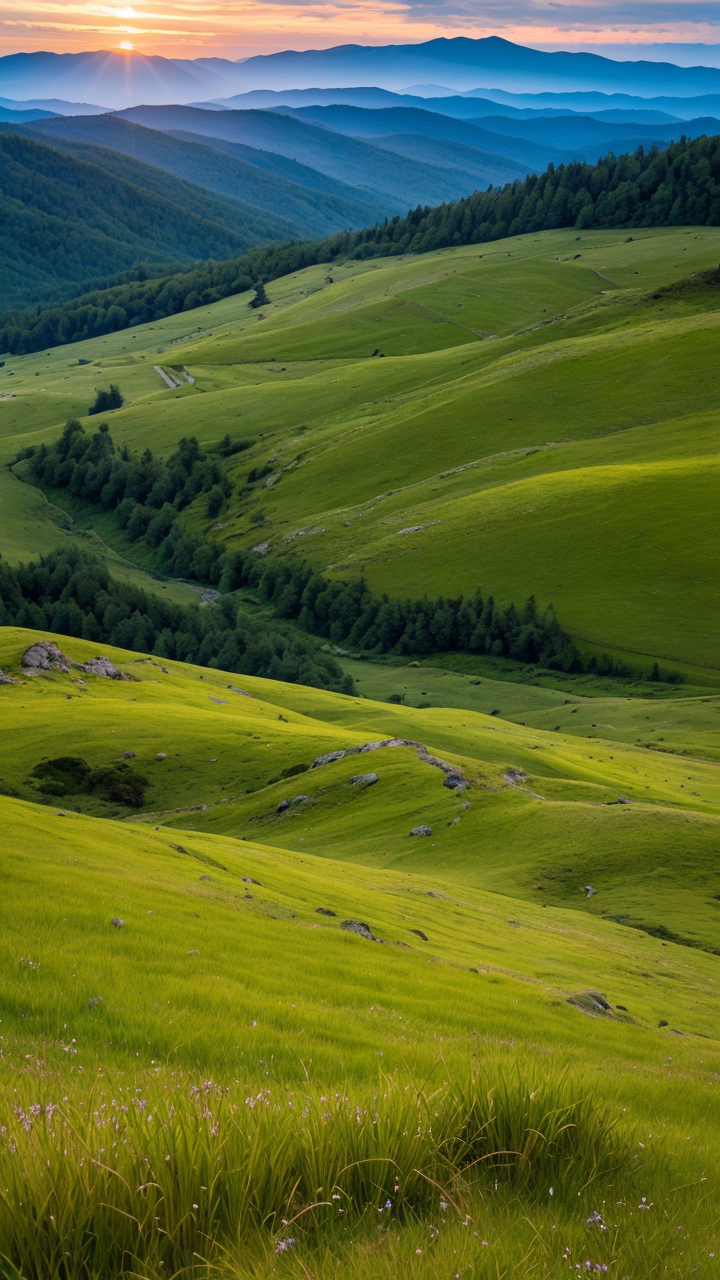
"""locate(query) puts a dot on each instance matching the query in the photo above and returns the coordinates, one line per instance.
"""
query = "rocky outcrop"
(44, 656)
(454, 777)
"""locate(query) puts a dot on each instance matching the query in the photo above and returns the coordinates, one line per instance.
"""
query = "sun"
(125, 44)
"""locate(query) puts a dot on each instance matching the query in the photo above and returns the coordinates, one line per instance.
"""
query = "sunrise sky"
(238, 28)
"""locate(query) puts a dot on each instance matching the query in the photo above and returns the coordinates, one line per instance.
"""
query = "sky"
(240, 28)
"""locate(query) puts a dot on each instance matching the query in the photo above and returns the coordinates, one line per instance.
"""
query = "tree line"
(678, 186)
(70, 592)
(148, 494)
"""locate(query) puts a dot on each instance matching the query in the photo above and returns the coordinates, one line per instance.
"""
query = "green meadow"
(257, 1060)
(511, 1070)
(540, 417)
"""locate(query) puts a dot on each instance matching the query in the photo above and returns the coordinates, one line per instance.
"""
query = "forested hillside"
(678, 186)
(67, 222)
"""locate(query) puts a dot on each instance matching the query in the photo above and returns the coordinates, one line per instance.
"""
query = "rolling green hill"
(69, 222)
(544, 420)
(204, 1013)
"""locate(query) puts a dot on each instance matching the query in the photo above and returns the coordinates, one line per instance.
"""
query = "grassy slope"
(589, 421)
(217, 976)
(652, 862)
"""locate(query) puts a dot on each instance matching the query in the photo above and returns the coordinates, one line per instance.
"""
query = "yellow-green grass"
(669, 719)
(224, 970)
(542, 837)
(245, 985)
(581, 441)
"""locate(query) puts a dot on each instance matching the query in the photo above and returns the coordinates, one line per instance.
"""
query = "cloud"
(236, 28)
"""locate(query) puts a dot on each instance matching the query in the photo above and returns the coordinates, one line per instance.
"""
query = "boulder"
(327, 759)
(128, 755)
(456, 783)
(592, 1002)
(422, 830)
(363, 779)
(101, 666)
(325, 911)
(299, 799)
(116, 922)
(419, 934)
(161, 755)
(44, 656)
(357, 926)
(283, 805)
(589, 891)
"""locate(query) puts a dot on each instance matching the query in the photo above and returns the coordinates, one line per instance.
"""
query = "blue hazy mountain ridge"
(477, 170)
(116, 79)
(69, 223)
(462, 107)
(19, 116)
(534, 142)
(232, 177)
(359, 122)
(399, 184)
(460, 56)
(590, 102)
(53, 106)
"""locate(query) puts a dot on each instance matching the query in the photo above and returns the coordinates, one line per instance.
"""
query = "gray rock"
(327, 759)
(128, 755)
(45, 656)
(101, 666)
(283, 805)
(94, 1002)
(419, 933)
(7, 679)
(299, 799)
(117, 923)
(193, 952)
(249, 880)
(516, 775)
(363, 779)
(161, 755)
(223, 702)
(164, 670)
(206, 877)
(589, 891)
(422, 830)
(357, 926)
(234, 689)
(325, 911)
(592, 1002)
(456, 783)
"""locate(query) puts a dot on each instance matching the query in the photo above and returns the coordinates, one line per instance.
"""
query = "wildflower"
(418, 1252)
(644, 1205)
(388, 1204)
(598, 1220)
(284, 1245)
(336, 1197)
(443, 1205)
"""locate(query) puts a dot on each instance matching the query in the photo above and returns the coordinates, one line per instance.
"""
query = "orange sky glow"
(190, 29)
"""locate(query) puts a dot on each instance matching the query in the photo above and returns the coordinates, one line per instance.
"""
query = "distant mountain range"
(120, 80)
(87, 195)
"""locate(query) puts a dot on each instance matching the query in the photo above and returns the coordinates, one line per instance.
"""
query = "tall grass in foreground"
(180, 1178)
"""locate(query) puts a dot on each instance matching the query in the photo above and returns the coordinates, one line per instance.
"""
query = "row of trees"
(679, 186)
(347, 613)
(147, 495)
(70, 592)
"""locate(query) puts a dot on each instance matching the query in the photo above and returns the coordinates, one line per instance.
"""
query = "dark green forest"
(66, 222)
(70, 592)
(675, 187)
